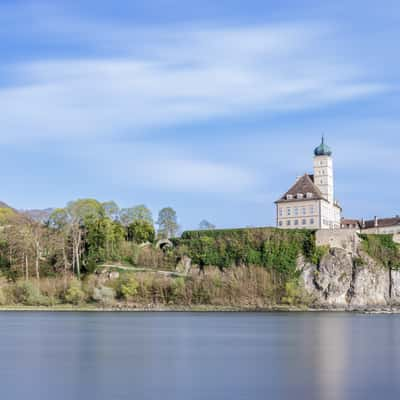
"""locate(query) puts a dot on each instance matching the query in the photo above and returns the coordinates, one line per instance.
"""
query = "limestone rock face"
(371, 284)
(338, 283)
(333, 277)
(113, 275)
(307, 276)
(395, 287)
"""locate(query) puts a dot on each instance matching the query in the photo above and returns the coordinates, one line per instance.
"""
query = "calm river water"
(193, 356)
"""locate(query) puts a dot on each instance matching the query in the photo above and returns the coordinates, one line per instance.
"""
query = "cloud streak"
(162, 79)
(179, 79)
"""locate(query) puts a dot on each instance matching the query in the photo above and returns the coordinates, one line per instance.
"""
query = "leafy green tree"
(205, 225)
(58, 223)
(5, 214)
(167, 223)
(142, 213)
(111, 209)
(71, 220)
(141, 231)
(126, 216)
(80, 211)
(136, 213)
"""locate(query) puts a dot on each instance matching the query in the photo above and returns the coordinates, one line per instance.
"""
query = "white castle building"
(310, 202)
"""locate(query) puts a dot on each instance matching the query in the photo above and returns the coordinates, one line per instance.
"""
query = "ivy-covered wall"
(272, 248)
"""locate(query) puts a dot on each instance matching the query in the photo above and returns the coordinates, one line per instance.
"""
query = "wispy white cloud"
(196, 75)
(162, 78)
(165, 168)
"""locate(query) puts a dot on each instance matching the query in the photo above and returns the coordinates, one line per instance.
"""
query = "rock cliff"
(350, 280)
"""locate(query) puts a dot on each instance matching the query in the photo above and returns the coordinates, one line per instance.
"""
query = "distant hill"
(38, 215)
(5, 205)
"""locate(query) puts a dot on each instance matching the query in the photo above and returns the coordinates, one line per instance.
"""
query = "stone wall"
(346, 239)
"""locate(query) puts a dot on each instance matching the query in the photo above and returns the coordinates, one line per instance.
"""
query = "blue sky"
(211, 107)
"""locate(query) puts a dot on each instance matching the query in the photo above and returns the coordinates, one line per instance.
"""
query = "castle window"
(296, 221)
(304, 211)
(289, 211)
(311, 210)
(304, 222)
(288, 223)
(312, 221)
(309, 195)
(280, 223)
(299, 195)
(289, 197)
(296, 211)
(281, 212)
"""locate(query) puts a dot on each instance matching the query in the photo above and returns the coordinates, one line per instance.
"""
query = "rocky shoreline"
(204, 308)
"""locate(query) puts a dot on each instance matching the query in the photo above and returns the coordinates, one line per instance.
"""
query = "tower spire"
(323, 149)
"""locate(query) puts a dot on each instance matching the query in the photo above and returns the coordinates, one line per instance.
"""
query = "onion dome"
(323, 149)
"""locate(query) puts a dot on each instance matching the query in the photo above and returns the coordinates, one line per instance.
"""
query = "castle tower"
(310, 203)
(323, 170)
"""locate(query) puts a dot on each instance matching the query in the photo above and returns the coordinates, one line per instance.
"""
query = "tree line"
(76, 238)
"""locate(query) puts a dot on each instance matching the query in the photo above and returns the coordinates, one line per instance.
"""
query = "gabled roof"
(345, 222)
(383, 222)
(303, 185)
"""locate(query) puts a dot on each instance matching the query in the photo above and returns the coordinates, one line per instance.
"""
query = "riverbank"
(196, 308)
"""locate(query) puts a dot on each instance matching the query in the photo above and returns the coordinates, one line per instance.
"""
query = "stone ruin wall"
(346, 239)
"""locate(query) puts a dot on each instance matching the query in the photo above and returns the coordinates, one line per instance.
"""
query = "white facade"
(323, 176)
(299, 214)
(310, 203)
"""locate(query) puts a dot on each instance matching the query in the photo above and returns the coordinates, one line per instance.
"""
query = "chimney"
(376, 222)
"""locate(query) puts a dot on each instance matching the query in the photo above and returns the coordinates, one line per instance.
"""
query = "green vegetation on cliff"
(271, 248)
(383, 249)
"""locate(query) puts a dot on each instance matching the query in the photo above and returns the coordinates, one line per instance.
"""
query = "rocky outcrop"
(371, 284)
(344, 281)
(395, 287)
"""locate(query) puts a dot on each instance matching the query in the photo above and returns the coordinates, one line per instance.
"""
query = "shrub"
(319, 252)
(104, 295)
(130, 252)
(177, 290)
(28, 293)
(75, 294)
(3, 297)
(127, 286)
(52, 288)
(358, 261)
(383, 249)
(294, 294)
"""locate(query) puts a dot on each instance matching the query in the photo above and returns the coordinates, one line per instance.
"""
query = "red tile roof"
(383, 222)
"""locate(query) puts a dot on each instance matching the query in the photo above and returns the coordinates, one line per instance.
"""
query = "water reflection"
(199, 356)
